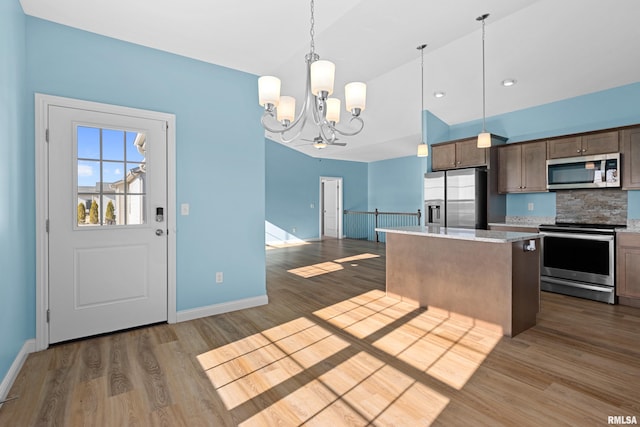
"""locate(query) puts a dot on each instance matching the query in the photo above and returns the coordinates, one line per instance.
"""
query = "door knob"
(159, 232)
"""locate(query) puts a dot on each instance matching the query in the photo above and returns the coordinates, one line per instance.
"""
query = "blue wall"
(219, 144)
(395, 185)
(397, 182)
(293, 186)
(17, 242)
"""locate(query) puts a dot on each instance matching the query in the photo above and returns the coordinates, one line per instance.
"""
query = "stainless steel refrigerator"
(463, 198)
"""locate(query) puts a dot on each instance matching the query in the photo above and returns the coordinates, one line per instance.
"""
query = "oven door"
(579, 257)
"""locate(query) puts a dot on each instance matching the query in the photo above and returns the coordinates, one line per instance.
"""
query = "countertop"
(492, 236)
(512, 224)
(628, 230)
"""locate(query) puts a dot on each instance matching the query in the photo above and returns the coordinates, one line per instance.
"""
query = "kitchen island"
(485, 277)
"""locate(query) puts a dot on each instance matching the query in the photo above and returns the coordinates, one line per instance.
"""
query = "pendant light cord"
(421, 49)
(484, 100)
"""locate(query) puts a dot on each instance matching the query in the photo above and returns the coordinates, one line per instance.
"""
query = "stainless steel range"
(579, 260)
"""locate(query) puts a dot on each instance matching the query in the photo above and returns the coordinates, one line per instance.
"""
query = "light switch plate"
(184, 209)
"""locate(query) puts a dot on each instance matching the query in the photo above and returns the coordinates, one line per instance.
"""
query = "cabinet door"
(468, 154)
(443, 156)
(534, 166)
(564, 147)
(631, 158)
(628, 260)
(510, 169)
(600, 143)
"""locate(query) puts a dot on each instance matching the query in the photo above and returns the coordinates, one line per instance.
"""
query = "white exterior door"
(331, 207)
(107, 201)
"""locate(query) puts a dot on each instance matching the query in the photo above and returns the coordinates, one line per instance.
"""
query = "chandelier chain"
(312, 30)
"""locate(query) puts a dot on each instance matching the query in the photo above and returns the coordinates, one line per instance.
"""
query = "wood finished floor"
(330, 349)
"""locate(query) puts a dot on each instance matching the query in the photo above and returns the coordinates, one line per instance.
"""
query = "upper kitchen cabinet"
(462, 153)
(630, 148)
(522, 167)
(583, 145)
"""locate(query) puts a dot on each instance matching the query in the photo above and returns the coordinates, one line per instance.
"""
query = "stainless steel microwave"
(599, 171)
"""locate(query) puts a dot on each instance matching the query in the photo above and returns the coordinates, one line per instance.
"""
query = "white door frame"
(340, 205)
(42, 103)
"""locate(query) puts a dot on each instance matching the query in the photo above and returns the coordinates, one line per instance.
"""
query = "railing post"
(376, 225)
(419, 216)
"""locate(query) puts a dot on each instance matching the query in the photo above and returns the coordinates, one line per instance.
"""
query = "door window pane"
(111, 175)
(135, 209)
(113, 144)
(88, 143)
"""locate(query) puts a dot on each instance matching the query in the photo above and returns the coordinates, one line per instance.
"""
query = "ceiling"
(554, 49)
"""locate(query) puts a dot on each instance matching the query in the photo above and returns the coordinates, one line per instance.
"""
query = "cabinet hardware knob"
(578, 150)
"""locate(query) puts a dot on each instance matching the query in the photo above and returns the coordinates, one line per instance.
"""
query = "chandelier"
(280, 111)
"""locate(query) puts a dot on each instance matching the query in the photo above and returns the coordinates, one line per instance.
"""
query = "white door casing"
(99, 278)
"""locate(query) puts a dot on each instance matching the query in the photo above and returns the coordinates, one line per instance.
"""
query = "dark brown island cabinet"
(485, 278)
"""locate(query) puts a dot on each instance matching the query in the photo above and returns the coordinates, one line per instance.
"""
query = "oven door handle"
(576, 285)
(600, 237)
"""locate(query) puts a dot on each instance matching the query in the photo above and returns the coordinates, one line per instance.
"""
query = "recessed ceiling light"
(439, 94)
(509, 82)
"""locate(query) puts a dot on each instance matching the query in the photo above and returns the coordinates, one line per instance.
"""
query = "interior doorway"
(331, 207)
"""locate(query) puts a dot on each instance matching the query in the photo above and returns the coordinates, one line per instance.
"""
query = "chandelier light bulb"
(355, 96)
(333, 110)
(286, 110)
(322, 76)
(269, 90)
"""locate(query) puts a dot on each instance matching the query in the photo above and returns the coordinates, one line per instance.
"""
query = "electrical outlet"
(219, 277)
(293, 229)
(530, 206)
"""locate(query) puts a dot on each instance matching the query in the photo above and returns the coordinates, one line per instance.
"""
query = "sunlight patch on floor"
(300, 372)
(329, 266)
(357, 258)
(271, 246)
(316, 269)
(443, 348)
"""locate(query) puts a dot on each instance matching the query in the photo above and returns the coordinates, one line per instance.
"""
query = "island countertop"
(493, 236)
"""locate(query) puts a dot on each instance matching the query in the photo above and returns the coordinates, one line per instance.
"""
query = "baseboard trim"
(28, 347)
(226, 307)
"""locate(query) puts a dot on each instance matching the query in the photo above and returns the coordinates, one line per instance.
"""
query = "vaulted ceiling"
(555, 49)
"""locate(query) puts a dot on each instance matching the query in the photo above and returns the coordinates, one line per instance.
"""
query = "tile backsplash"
(601, 206)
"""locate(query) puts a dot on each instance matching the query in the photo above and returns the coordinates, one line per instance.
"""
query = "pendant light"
(423, 148)
(484, 138)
